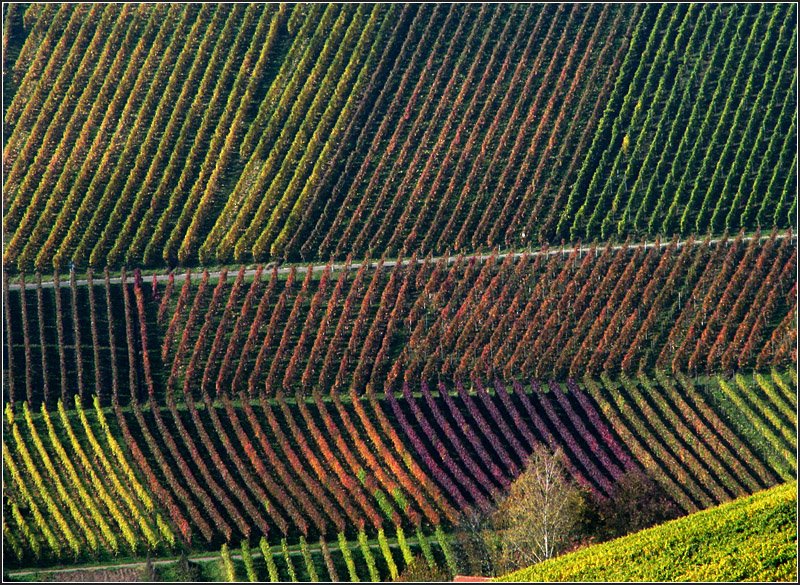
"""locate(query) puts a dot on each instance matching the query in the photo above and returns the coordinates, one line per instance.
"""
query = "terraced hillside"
(697, 307)
(157, 135)
(241, 408)
(291, 290)
(101, 481)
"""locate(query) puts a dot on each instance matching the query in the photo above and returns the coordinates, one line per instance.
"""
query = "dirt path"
(181, 276)
(113, 567)
(255, 552)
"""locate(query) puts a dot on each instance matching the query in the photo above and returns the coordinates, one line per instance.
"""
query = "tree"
(475, 542)
(148, 573)
(542, 514)
(636, 503)
(186, 570)
(536, 520)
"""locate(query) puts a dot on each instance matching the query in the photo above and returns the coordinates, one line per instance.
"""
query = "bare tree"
(476, 542)
(537, 518)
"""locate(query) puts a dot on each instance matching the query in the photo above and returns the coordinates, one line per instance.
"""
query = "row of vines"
(193, 135)
(97, 482)
(693, 307)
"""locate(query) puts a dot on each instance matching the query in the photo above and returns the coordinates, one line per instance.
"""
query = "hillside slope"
(696, 308)
(320, 277)
(196, 474)
(752, 538)
(155, 135)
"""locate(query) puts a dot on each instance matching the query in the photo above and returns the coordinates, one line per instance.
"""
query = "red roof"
(470, 579)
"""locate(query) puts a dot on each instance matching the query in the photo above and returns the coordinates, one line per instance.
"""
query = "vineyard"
(296, 292)
(308, 132)
(381, 464)
(697, 308)
(303, 406)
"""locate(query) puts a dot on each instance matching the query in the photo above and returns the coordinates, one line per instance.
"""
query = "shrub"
(228, 569)
(636, 503)
(418, 570)
(248, 562)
